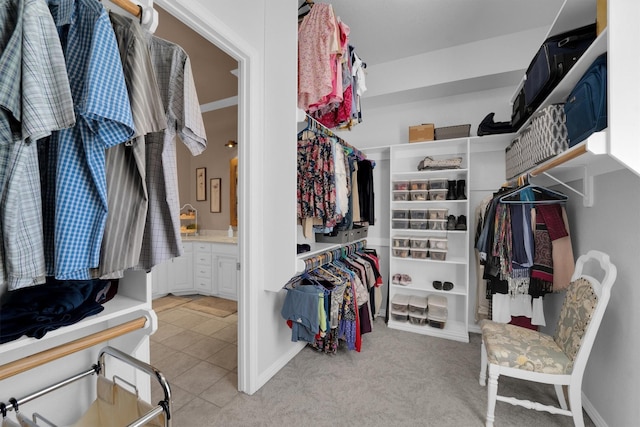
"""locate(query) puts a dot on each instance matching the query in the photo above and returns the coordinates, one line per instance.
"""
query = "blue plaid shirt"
(103, 119)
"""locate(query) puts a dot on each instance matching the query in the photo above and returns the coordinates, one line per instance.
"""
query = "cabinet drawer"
(202, 259)
(203, 284)
(203, 271)
(202, 247)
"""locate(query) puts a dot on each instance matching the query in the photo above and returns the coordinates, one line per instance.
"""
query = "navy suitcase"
(586, 106)
(554, 59)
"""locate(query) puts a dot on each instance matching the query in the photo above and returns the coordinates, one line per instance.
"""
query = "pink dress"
(317, 50)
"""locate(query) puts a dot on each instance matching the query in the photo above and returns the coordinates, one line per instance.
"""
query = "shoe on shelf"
(447, 286)
(451, 222)
(460, 184)
(396, 279)
(462, 223)
(405, 279)
(451, 190)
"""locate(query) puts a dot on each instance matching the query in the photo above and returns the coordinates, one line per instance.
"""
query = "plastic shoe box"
(419, 213)
(438, 254)
(400, 303)
(401, 196)
(418, 319)
(400, 317)
(437, 302)
(437, 184)
(438, 224)
(419, 243)
(438, 213)
(419, 184)
(419, 224)
(440, 324)
(401, 252)
(401, 242)
(437, 242)
(418, 305)
(401, 185)
(400, 223)
(421, 196)
(437, 194)
(400, 214)
(419, 253)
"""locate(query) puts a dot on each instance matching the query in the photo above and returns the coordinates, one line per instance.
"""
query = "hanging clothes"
(162, 240)
(75, 221)
(127, 194)
(519, 261)
(35, 94)
(333, 301)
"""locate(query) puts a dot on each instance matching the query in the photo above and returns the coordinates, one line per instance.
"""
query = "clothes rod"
(19, 366)
(132, 8)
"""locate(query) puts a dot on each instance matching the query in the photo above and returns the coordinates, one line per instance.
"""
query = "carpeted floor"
(398, 379)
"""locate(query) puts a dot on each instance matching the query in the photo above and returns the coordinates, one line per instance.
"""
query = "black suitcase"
(553, 61)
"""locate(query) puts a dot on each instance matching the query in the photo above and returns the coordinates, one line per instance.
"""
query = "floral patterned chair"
(559, 359)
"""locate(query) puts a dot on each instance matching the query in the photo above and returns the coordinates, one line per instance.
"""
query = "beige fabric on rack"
(116, 407)
(7, 422)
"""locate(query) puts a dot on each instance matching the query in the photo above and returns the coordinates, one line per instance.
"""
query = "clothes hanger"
(530, 193)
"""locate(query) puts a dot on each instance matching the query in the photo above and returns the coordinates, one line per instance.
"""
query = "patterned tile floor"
(197, 353)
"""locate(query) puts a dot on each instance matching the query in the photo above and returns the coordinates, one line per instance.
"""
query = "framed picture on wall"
(215, 184)
(201, 184)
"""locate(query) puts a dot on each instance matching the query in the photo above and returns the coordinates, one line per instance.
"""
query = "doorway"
(223, 113)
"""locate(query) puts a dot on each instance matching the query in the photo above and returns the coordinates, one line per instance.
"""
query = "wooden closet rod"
(18, 366)
(132, 8)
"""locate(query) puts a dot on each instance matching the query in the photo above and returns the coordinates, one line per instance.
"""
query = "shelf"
(449, 260)
(456, 291)
(427, 173)
(453, 330)
(185, 216)
(118, 308)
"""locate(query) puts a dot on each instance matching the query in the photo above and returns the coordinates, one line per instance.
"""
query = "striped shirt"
(125, 163)
(171, 63)
(34, 90)
(103, 120)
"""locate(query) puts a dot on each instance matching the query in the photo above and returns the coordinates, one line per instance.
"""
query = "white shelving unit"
(404, 160)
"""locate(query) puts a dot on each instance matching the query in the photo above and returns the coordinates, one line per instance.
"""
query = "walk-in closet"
(439, 251)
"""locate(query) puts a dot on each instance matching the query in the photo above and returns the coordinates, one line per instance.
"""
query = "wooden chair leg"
(483, 365)
(560, 393)
(492, 394)
(575, 404)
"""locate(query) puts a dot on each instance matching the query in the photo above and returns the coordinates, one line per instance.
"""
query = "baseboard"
(277, 366)
(592, 412)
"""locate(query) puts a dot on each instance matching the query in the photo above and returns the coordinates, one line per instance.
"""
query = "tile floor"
(197, 353)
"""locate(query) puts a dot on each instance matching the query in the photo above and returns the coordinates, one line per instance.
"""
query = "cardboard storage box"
(420, 133)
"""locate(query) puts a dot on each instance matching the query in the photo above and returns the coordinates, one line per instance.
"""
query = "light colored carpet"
(398, 379)
(215, 306)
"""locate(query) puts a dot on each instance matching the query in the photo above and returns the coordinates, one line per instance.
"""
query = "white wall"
(611, 226)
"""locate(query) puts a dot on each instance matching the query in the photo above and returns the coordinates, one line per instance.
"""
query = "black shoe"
(460, 190)
(462, 223)
(451, 191)
(451, 222)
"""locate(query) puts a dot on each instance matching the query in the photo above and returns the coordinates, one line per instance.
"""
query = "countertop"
(212, 236)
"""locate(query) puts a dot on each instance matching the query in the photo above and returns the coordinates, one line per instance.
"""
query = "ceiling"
(381, 31)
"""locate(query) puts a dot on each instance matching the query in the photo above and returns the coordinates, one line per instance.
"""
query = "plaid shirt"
(34, 90)
(162, 239)
(104, 120)
(126, 172)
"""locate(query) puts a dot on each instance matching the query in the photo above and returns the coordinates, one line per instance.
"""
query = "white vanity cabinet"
(174, 275)
(205, 268)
